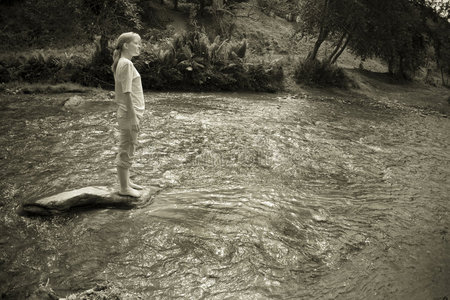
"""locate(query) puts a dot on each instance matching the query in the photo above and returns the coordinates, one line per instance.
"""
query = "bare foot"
(135, 186)
(130, 192)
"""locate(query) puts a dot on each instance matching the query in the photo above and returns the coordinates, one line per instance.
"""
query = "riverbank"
(371, 88)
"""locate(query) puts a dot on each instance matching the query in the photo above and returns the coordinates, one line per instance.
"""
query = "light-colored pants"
(127, 143)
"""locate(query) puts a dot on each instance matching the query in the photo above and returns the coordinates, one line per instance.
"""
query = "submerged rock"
(87, 197)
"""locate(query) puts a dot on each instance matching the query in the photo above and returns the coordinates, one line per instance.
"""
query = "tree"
(104, 19)
(390, 29)
(394, 32)
(330, 19)
(41, 16)
(108, 17)
(438, 29)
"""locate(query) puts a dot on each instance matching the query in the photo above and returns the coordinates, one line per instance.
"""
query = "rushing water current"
(263, 197)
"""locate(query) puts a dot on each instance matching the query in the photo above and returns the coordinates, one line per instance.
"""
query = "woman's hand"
(135, 125)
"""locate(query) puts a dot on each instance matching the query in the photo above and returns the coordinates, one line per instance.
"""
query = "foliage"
(191, 61)
(391, 30)
(324, 18)
(278, 7)
(39, 23)
(266, 78)
(185, 62)
(438, 29)
(16, 87)
(40, 66)
(319, 73)
(106, 17)
(94, 76)
(46, 23)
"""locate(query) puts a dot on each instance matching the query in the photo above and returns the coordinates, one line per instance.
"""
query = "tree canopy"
(397, 31)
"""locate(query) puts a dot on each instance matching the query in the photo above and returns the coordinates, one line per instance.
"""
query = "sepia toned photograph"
(224, 149)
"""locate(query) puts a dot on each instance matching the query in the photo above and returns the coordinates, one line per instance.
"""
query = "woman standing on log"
(130, 99)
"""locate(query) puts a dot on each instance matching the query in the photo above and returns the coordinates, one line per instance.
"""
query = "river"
(264, 196)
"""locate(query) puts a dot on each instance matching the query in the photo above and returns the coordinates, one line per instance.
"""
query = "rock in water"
(87, 197)
(73, 101)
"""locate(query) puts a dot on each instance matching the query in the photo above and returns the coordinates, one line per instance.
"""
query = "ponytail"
(116, 56)
(122, 39)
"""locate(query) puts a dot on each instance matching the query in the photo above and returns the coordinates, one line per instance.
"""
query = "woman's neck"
(126, 55)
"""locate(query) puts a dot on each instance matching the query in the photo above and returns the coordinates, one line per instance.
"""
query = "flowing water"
(263, 197)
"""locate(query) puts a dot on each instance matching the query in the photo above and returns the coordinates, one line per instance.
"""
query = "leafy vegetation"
(40, 66)
(396, 31)
(406, 34)
(320, 73)
(185, 62)
(192, 62)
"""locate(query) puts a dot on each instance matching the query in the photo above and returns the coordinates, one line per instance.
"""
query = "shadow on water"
(263, 197)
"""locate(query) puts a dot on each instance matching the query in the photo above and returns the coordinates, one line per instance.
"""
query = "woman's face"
(134, 47)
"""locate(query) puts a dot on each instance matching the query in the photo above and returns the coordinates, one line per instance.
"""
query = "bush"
(39, 68)
(40, 24)
(34, 67)
(266, 78)
(279, 8)
(5, 76)
(317, 73)
(192, 62)
(96, 72)
(186, 62)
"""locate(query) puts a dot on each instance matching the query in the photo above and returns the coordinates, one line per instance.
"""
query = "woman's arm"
(134, 124)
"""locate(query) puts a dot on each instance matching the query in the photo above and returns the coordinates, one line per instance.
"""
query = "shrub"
(317, 73)
(266, 78)
(39, 68)
(94, 76)
(95, 72)
(5, 76)
(185, 62)
(192, 62)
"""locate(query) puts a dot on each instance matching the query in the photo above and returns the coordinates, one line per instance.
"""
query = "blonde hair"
(122, 39)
